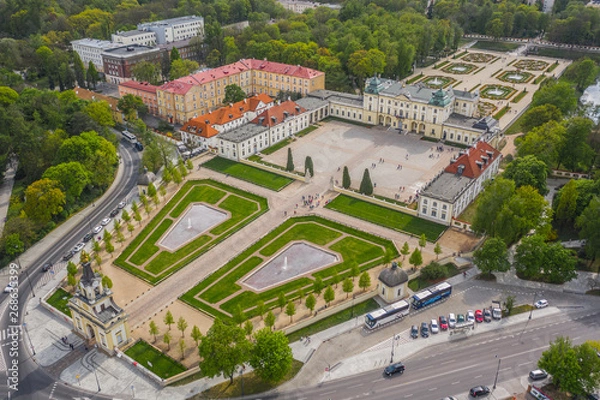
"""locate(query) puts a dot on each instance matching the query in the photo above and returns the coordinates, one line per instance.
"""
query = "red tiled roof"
(277, 114)
(279, 68)
(213, 74)
(199, 128)
(225, 114)
(144, 86)
(88, 95)
(176, 87)
(475, 160)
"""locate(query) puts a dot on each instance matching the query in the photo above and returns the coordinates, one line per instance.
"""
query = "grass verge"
(523, 308)
(414, 79)
(501, 113)
(383, 216)
(154, 360)
(495, 46)
(519, 97)
(59, 300)
(306, 131)
(419, 283)
(335, 319)
(248, 173)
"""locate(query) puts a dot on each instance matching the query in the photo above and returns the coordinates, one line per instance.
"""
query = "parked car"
(9, 288)
(451, 321)
(470, 316)
(460, 318)
(414, 332)
(68, 255)
(443, 323)
(434, 326)
(46, 267)
(478, 316)
(392, 369)
(487, 315)
(479, 391)
(424, 330)
(538, 374)
(121, 205)
(114, 213)
(97, 229)
(541, 303)
(105, 221)
(87, 237)
(78, 247)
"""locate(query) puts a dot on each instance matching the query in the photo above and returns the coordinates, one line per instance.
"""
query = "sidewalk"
(6, 190)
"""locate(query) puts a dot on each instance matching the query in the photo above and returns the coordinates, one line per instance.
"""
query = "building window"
(103, 340)
(119, 337)
(443, 216)
(424, 210)
(433, 213)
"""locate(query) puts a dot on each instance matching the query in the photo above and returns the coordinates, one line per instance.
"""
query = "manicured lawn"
(162, 365)
(495, 46)
(252, 385)
(59, 300)
(335, 319)
(386, 217)
(243, 207)
(248, 173)
(357, 248)
(306, 131)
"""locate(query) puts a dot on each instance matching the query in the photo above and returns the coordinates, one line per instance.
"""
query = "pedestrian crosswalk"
(7, 334)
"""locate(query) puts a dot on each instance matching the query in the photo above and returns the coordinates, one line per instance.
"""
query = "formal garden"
(486, 108)
(531, 65)
(438, 82)
(496, 92)
(248, 173)
(200, 215)
(515, 76)
(301, 256)
(459, 68)
(478, 57)
(154, 360)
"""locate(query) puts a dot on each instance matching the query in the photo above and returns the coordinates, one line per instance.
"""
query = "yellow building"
(96, 317)
(188, 97)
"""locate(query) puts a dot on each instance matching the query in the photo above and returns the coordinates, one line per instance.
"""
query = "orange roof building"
(448, 195)
(88, 95)
(144, 90)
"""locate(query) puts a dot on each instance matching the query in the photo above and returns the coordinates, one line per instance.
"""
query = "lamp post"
(242, 378)
(530, 316)
(26, 272)
(393, 343)
(497, 372)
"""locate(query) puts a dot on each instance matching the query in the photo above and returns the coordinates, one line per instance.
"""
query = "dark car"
(68, 255)
(424, 329)
(46, 267)
(87, 237)
(392, 369)
(479, 391)
(114, 213)
(460, 318)
(414, 332)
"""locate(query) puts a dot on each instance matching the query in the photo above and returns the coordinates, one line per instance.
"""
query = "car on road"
(460, 318)
(478, 316)
(538, 374)
(9, 288)
(434, 326)
(97, 229)
(105, 221)
(470, 316)
(114, 213)
(487, 315)
(424, 329)
(451, 321)
(121, 205)
(479, 391)
(68, 255)
(87, 237)
(78, 247)
(414, 332)
(541, 303)
(443, 323)
(393, 369)
(46, 267)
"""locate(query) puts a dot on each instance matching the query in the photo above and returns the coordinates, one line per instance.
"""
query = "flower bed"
(531, 65)
(496, 92)
(478, 57)
(515, 77)
(459, 68)
(437, 82)
(486, 108)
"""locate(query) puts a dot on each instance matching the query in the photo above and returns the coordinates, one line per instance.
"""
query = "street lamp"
(242, 378)
(393, 343)
(497, 372)
(532, 306)
(26, 272)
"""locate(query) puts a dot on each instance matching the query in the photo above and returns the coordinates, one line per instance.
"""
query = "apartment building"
(91, 50)
(119, 61)
(144, 38)
(143, 90)
(175, 29)
(253, 76)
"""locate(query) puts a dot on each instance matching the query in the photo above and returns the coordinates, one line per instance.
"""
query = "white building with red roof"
(449, 194)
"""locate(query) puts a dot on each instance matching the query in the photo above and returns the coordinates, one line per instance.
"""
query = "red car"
(443, 323)
(478, 316)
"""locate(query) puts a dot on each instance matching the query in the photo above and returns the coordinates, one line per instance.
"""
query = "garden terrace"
(459, 68)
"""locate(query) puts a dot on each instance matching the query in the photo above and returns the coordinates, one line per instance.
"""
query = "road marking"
(506, 369)
(378, 380)
(408, 395)
(432, 389)
(355, 386)
(447, 362)
(478, 376)
(455, 383)
(327, 393)
(520, 365)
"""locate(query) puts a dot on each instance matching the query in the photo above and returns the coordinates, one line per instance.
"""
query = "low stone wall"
(566, 174)
(141, 368)
(273, 170)
(456, 223)
(53, 310)
(375, 200)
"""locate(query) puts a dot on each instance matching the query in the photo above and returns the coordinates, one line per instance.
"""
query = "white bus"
(385, 315)
(130, 137)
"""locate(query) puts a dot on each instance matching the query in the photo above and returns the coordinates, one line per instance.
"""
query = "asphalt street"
(33, 382)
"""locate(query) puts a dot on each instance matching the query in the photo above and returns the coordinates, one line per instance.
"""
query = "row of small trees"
(366, 186)
(309, 168)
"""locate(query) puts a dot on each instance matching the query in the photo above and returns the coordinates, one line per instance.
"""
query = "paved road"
(33, 382)
(454, 367)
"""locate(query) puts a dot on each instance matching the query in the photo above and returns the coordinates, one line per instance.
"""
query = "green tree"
(290, 161)
(196, 335)
(335, 279)
(311, 302)
(318, 286)
(223, 349)
(589, 224)
(559, 94)
(492, 256)
(91, 76)
(153, 330)
(416, 258)
(109, 247)
(525, 210)
(146, 71)
(566, 204)
(233, 94)
(574, 152)
(100, 112)
(72, 177)
(346, 182)
(181, 68)
(437, 250)
(248, 328)
(509, 304)
(364, 282)
(72, 281)
(329, 295)
(582, 72)
(433, 271)
(363, 63)
(528, 170)
(72, 268)
(168, 319)
(270, 320)
(79, 70)
(290, 310)
(422, 241)
(405, 250)
(239, 316)
(174, 55)
(43, 200)
(536, 259)
(366, 186)
(560, 360)
(167, 340)
(132, 106)
(490, 204)
(308, 166)
(538, 116)
(354, 271)
(107, 282)
(281, 300)
(107, 236)
(182, 325)
(271, 356)
(348, 286)
(182, 348)
(260, 308)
